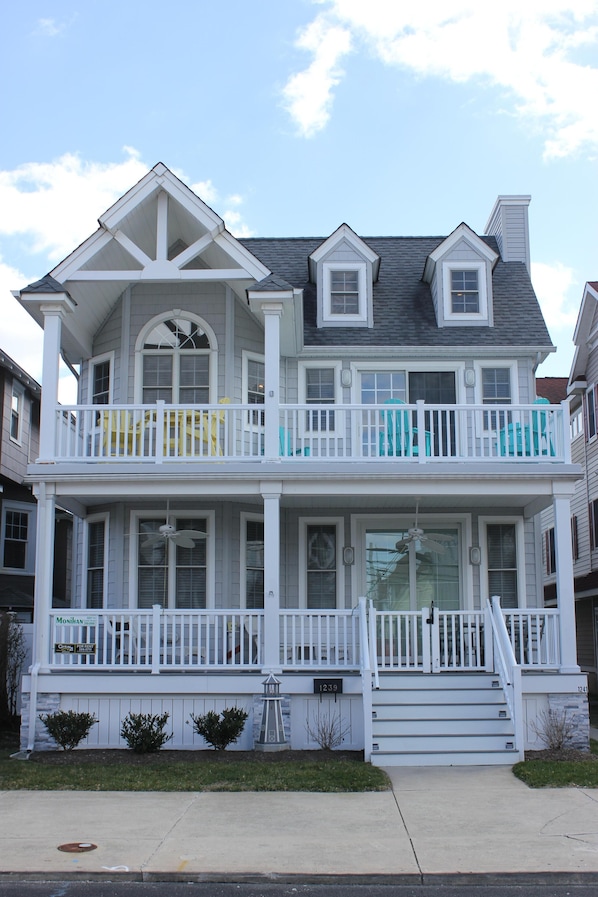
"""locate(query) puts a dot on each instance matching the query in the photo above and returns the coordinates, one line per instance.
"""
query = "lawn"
(177, 771)
(581, 772)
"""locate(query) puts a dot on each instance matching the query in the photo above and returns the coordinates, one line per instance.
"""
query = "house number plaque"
(328, 686)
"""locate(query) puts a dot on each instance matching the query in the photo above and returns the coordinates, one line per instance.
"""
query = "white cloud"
(529, 49)
(308, 94)
(57, 204)
(49, 27)
(555, 287)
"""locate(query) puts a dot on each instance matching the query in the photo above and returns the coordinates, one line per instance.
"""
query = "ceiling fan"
(185, 538)
(431, 541)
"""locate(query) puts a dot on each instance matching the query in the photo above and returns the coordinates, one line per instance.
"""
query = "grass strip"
(538, 773)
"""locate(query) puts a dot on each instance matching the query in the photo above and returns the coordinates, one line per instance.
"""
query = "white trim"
(479, 317)
(339, 417)
(92, 363)
(339, 523)
(245, 517)
(17, 390)
(95, 518)
(136, 516)
(341, 320)
(483, 523)
(404, 520)
(23, 507)
(212, 352)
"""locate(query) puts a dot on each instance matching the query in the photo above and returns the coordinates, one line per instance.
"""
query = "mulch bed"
(117, 756)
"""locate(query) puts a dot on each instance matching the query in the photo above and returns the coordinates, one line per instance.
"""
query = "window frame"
(452, 317)
(93, 519)
(246, 517)
(550, 551)
(30, 509)
(211, 352)
(304, 417)
(493, 364)
(246, 358)
(135, 519)
(517, 522)
(334, 318)
(304, 523)
(590, 413)
(18, 414)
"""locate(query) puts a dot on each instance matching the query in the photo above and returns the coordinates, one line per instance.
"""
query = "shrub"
(220, 732)
(554, 728)
(67, 727)
(144, 732)
(12, 656)
(327, 730)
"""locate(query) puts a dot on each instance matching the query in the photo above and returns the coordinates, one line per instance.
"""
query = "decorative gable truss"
(344, 268)
(159, 232)
(459, 272)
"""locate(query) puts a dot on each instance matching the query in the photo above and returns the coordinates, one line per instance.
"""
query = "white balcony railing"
(388, 433)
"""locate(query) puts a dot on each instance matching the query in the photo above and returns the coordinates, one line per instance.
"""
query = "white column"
(50, 376)
(564, 581)
(44, 573)
(272, 577)
(272, 313)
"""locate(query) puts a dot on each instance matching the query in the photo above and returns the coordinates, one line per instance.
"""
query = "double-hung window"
(344, 294)
(96, 561)
(502, 562)
(17, 405)
(254, 563)
(591, 412)
(496, 390)
(171, 574)
(176, 363)
(254, 377)
(320, 390)
(18, 537)
(465, 294)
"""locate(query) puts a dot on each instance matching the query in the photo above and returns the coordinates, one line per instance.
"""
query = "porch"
(163, 640)
(417, 433)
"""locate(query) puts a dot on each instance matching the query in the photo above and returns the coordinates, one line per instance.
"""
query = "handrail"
(507, 668)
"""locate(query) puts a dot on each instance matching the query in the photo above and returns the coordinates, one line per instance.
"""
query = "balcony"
(382, 434)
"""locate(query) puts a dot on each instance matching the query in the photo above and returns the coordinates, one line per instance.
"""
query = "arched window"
(177, 354)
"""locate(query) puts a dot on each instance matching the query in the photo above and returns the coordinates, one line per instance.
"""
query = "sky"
(290, 118)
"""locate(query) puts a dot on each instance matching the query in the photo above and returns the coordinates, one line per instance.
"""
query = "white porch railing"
(157, 640)
(320, 639)
(430, 640)
(387, 433)
(508, 670)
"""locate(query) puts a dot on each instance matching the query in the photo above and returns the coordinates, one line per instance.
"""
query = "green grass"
(559, 773)
(327, 775)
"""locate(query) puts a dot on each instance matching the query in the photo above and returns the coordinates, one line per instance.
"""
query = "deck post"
(271, 499)
(44, 572)
(564, 579)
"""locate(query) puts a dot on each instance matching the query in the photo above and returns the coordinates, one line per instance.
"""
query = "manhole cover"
(77, 847)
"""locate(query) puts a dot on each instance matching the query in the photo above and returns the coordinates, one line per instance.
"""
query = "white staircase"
(441, 719)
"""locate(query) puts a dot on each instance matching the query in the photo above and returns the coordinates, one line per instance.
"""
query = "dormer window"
(465, 293)
(465, 296)
(344, 293)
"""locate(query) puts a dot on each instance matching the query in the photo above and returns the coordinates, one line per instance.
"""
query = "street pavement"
(445, 824)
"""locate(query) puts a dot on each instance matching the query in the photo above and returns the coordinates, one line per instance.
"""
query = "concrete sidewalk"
(436, 823)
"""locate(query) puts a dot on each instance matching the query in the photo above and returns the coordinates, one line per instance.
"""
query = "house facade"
(581, 389)
(318, 458)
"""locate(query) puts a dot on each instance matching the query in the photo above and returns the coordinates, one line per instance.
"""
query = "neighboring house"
(20, 398)
(582, 390)
(318, 458)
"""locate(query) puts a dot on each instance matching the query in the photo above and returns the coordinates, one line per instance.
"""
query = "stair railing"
(507, 668)
(369, 673)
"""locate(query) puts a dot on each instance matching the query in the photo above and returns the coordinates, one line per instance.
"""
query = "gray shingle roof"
(403, 309)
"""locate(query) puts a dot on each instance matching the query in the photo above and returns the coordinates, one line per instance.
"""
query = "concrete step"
(401, 711)
(401, 744)
(461, 758)
(437, 728)
(438, 696)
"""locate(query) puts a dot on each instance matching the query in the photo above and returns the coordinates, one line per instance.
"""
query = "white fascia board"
(238, 253)
(463, 232)
(344, 232)
(81, 255)
(163, 270)
(586, 314)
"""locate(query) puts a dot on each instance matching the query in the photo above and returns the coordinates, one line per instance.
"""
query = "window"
(319, 390)
(96, 554)
(321, 565)
(16, 412)
(175, 365)
(254, 564)
(254, 388)
(574, 538)
(169, 574)
(594, 524)
(344, 294)
(591, 412)
(465, 293)
(496, 390)
(577, 423)
(502, 562)
(100, 383)
(465, 296)
(549, 552)
(17, 537)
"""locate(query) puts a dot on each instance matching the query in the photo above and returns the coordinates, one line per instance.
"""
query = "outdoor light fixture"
(348, 556)
(475, 555)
